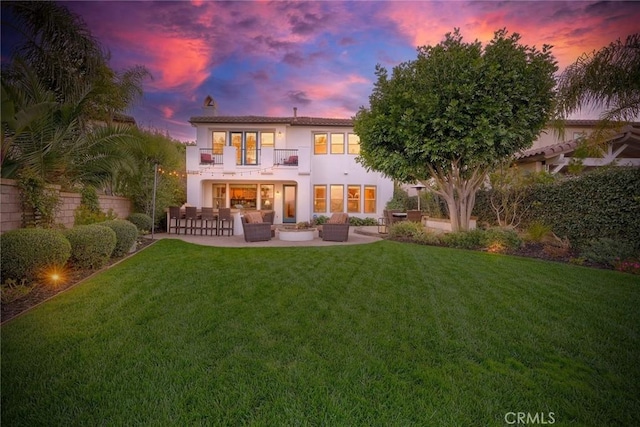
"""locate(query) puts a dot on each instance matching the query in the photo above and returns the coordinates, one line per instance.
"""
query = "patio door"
(289, 204)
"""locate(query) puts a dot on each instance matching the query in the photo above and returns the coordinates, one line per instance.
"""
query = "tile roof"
(293, 121)
(628, 134)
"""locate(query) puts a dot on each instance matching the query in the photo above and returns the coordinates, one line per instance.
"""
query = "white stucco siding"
(312, 169)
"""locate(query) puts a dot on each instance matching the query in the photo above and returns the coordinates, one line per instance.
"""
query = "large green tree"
(608, 79)
(456, 111)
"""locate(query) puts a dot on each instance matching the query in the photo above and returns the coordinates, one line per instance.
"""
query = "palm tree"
(57, 86)
(44, 137)
(607, 79)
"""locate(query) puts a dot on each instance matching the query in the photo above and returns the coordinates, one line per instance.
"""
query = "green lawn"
(384, 334)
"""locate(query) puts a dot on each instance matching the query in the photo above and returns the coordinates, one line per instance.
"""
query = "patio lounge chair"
(269, 216)
(291, 161)
(336, 229)
(206, 159)
(254, 229)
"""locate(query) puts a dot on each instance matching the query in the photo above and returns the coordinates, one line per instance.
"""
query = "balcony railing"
(282, 157)
(208, 158)
(285, 157)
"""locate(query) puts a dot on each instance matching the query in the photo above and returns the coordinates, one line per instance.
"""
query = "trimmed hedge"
(126, 235)
(29, 252)
(603, 203)
(91, 245)
(142, 221)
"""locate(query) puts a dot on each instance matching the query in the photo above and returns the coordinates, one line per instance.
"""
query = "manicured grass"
(382, 334)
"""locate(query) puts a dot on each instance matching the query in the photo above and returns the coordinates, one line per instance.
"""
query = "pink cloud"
(167, 112)
(572, 28)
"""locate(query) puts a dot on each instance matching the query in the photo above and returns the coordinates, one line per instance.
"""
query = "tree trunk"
(459, 192)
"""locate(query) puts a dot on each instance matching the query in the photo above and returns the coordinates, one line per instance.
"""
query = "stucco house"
(297, 166)
(554, 154)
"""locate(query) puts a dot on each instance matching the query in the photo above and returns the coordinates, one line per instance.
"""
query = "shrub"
(29, 252)
(414, 232)
(321, 219)
(608, 251)
(39, 201)
(360, 222)
(126, 234)
(405, 230)
(537, 232)
(473, 239)
(84, 215)
(91, 245)
(631, 265)
(142, 221)
(493, 239)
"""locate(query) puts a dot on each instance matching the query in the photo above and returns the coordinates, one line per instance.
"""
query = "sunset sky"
(264, 58)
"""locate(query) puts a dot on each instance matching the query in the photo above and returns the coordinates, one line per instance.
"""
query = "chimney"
(295, 112)
(210, 106)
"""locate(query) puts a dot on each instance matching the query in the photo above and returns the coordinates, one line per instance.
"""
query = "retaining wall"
(11, 212)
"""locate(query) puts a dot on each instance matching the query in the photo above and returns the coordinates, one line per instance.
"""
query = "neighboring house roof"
(622, 149)
(292, 121)
(628, 134)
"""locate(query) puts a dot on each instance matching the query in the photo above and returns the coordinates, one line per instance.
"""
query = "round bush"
(142, 221)
(91, 245)
(29, 252)
(126, 234)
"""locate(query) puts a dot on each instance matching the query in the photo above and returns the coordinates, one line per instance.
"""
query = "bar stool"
(208, 222)
(191, 220)
(174, 217)
(225, 221)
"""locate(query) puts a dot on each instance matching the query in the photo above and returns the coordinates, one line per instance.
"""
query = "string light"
(241, 173)
(175, 173)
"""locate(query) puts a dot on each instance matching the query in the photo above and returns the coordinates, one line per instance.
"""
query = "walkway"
(357, 236)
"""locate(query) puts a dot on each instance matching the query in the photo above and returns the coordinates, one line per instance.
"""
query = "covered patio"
(357, 236)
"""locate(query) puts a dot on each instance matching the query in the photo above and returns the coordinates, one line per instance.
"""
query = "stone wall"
(11, 213)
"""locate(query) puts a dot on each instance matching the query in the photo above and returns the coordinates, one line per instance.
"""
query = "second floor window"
(219, 141)
(354, 144)
(320, 143)
(337, 143)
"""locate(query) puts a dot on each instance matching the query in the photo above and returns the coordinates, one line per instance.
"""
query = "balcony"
(267, 160)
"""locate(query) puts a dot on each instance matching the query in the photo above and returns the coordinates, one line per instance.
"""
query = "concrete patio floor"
(357, 236)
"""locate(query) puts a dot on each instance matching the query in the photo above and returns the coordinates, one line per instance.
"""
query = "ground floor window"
(243, 195)
(369, 199)
(353, 198)
(219, 196)
(337, 198)
(266, 196)
(320, 198)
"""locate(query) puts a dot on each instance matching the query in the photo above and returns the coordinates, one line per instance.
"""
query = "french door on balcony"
(246, 144)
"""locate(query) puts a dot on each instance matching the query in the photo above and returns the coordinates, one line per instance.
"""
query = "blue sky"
(264, 58)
